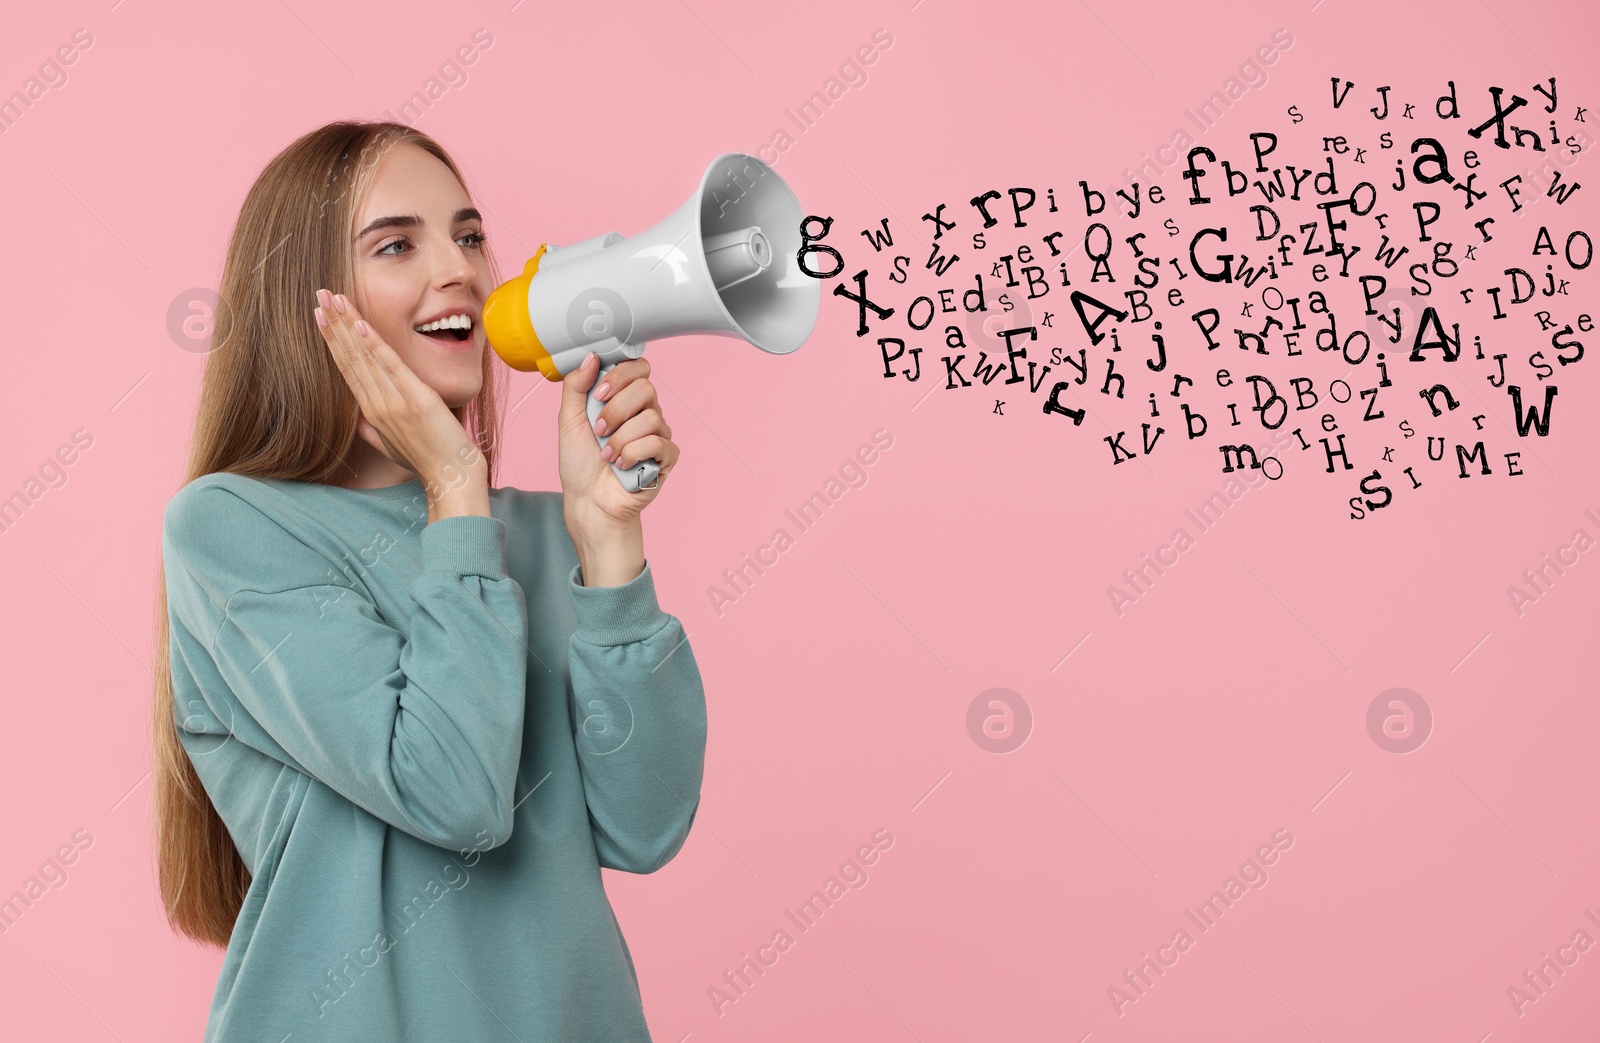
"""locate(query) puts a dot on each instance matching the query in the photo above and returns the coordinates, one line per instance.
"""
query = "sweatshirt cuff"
(616, 615)
(467, 545)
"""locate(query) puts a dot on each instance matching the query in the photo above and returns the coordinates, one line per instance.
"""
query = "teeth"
(450, 322)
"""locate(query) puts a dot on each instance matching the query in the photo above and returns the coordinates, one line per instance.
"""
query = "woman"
(403, 717)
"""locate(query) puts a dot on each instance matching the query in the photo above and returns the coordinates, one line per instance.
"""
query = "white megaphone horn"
(726, 262)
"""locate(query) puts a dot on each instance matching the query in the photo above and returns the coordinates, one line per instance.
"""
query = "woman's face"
(418, 256)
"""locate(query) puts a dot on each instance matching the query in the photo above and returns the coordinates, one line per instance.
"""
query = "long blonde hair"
(273, 404)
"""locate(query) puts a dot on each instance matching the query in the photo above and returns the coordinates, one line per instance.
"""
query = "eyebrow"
(412, 220)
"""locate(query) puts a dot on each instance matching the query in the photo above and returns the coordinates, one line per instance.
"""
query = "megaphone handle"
(643, 474)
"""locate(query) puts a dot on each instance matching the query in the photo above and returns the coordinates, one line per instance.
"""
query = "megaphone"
(726, 263)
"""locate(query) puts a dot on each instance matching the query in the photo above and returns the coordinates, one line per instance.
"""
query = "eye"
(475, 240)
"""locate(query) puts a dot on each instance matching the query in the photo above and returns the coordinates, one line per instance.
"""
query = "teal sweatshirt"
(425, 741)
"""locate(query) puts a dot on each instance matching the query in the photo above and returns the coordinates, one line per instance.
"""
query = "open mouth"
(456, 329)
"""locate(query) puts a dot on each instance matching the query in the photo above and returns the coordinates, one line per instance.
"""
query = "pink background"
(1230, 702)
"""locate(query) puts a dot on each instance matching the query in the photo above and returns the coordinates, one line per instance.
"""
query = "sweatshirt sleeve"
(422, 725)
(639, 722)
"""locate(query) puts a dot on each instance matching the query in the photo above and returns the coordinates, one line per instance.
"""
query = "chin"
(458, 389)
(460, 399)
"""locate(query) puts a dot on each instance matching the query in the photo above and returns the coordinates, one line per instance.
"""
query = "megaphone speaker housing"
(724, 263)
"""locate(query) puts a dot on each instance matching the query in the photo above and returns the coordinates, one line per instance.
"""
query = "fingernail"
(322, 320)
(600, 426)
(607, 453)
(339, 302)
(361, 327)
(602, 390)
(592, 358)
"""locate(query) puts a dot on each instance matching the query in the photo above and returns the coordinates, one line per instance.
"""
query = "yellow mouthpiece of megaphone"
(509, 327)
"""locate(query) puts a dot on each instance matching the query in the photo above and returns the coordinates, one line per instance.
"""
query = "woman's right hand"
(401, 416)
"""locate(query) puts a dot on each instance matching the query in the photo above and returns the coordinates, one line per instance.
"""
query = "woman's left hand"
(631, 410)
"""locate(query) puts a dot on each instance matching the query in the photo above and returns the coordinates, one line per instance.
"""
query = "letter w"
(879, 239)
(1559, 191)
(1388, 254)
(1532, 419)
(1267, 187)
(937, 263)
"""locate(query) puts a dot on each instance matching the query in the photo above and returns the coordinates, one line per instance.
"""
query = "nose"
(452, 266)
